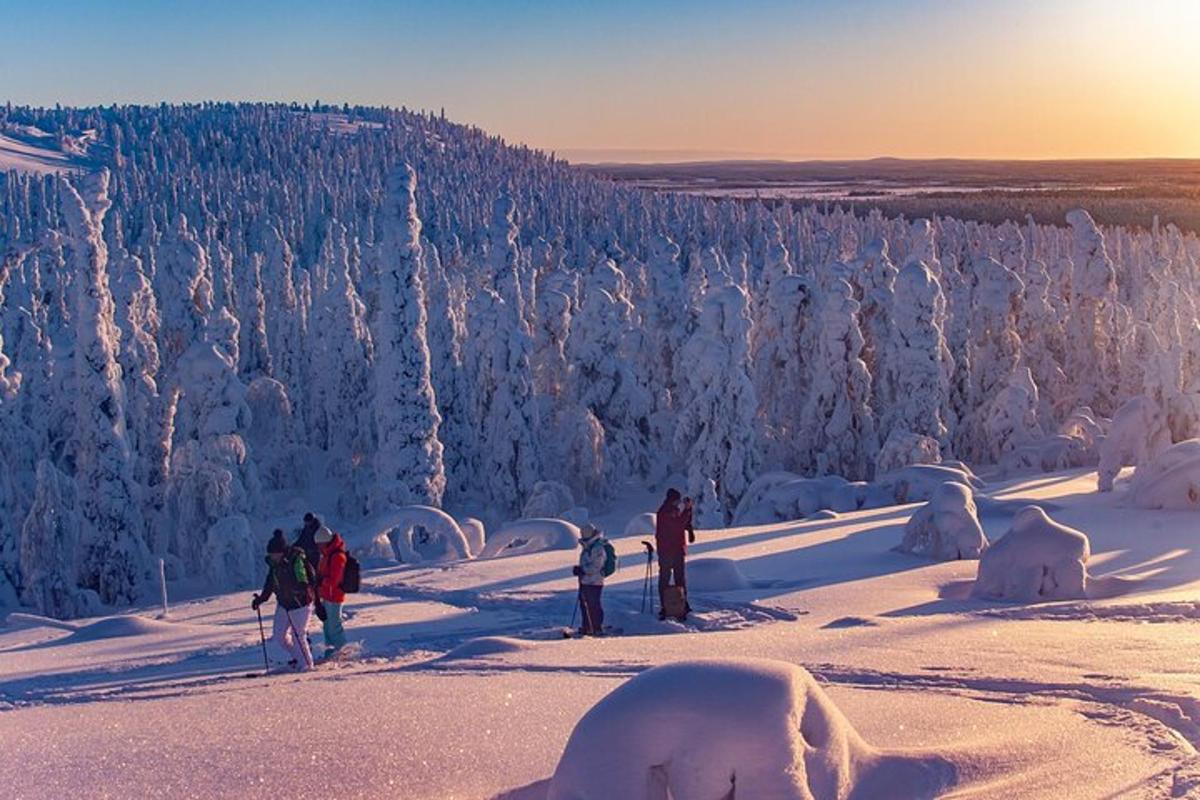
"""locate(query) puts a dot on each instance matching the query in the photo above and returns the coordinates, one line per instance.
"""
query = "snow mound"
(1037, 559)
(1171, 481)
(641, 525)
(487, 646)
(947, 527)
(715, 575)
(751, 728)
(823, 514)
(531, 536)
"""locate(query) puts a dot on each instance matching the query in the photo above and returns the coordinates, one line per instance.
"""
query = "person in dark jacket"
(306, 539)
(292, 580)
(673, 522)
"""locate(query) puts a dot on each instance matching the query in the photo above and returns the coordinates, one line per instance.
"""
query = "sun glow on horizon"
(764, 78)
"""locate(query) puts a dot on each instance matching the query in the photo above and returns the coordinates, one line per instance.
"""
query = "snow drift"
(947, 527)
(745, 728)
(1038, 559)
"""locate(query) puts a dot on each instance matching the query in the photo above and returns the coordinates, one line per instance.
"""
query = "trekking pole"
(646, 581)
(575, 608)
(262, 637)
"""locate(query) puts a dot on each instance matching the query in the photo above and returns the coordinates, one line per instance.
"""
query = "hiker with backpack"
(306, 538)
(330, 573)
(597, 560)
(292, 580)
(673, 522)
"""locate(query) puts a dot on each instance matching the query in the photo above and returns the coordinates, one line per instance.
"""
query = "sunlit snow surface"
(1084, 698)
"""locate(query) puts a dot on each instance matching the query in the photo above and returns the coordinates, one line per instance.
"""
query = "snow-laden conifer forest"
(209, 311)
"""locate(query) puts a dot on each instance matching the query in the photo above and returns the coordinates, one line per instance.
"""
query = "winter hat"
(277, 544)
(323, 535)
(588, 531)
(672, 495)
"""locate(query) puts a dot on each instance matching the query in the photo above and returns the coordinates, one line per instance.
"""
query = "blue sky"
(803, 78)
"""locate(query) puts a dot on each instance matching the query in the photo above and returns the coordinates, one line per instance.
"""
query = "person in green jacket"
(293, 582)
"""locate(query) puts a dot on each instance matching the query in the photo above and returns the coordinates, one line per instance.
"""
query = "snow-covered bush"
(531, 536)
(1171, 480)
(475, 532)
(724, 728)
(715, 575)
(1037, 559)
(947, 527)
(548, 499)
(917, 483)
(903, 449)
(417, 533)
(641, 525)
(1138, 433)
(784, 496)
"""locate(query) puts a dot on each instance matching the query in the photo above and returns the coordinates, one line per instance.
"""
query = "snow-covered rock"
(1170, 481)
(947, 527)
(729, 728)
(531, 536)
(1037, 559)
(715, 575)
(918, 482)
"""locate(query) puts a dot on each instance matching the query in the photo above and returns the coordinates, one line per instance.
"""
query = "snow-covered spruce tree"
(213, 486)
(875, 276)
(785, 336)
(837, 414)
(664, 321)
(408, 455)
(995, 350)
(921, 384)
(114, 560)
(1089, 327)
(49, 538)
(182, 281)
(715, 436)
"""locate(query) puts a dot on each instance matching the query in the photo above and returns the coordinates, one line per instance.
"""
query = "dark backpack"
(351, 576)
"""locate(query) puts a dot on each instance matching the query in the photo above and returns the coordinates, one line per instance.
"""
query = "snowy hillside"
(463, 688)
(244, 311)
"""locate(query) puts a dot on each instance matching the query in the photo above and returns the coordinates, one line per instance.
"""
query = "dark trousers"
(671, 567)
(589, 604)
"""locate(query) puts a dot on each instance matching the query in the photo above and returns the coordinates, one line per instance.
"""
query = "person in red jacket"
(672, 523)
(329, 587)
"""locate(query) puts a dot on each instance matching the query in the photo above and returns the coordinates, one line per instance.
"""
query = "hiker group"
(673, 531)
(311, 575)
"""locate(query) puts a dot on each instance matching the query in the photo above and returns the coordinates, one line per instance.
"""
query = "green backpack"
(610, 559)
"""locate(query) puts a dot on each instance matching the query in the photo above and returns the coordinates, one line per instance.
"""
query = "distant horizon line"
(640, 156)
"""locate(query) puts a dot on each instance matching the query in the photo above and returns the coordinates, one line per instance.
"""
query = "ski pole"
(262, 637)
(575, 608)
